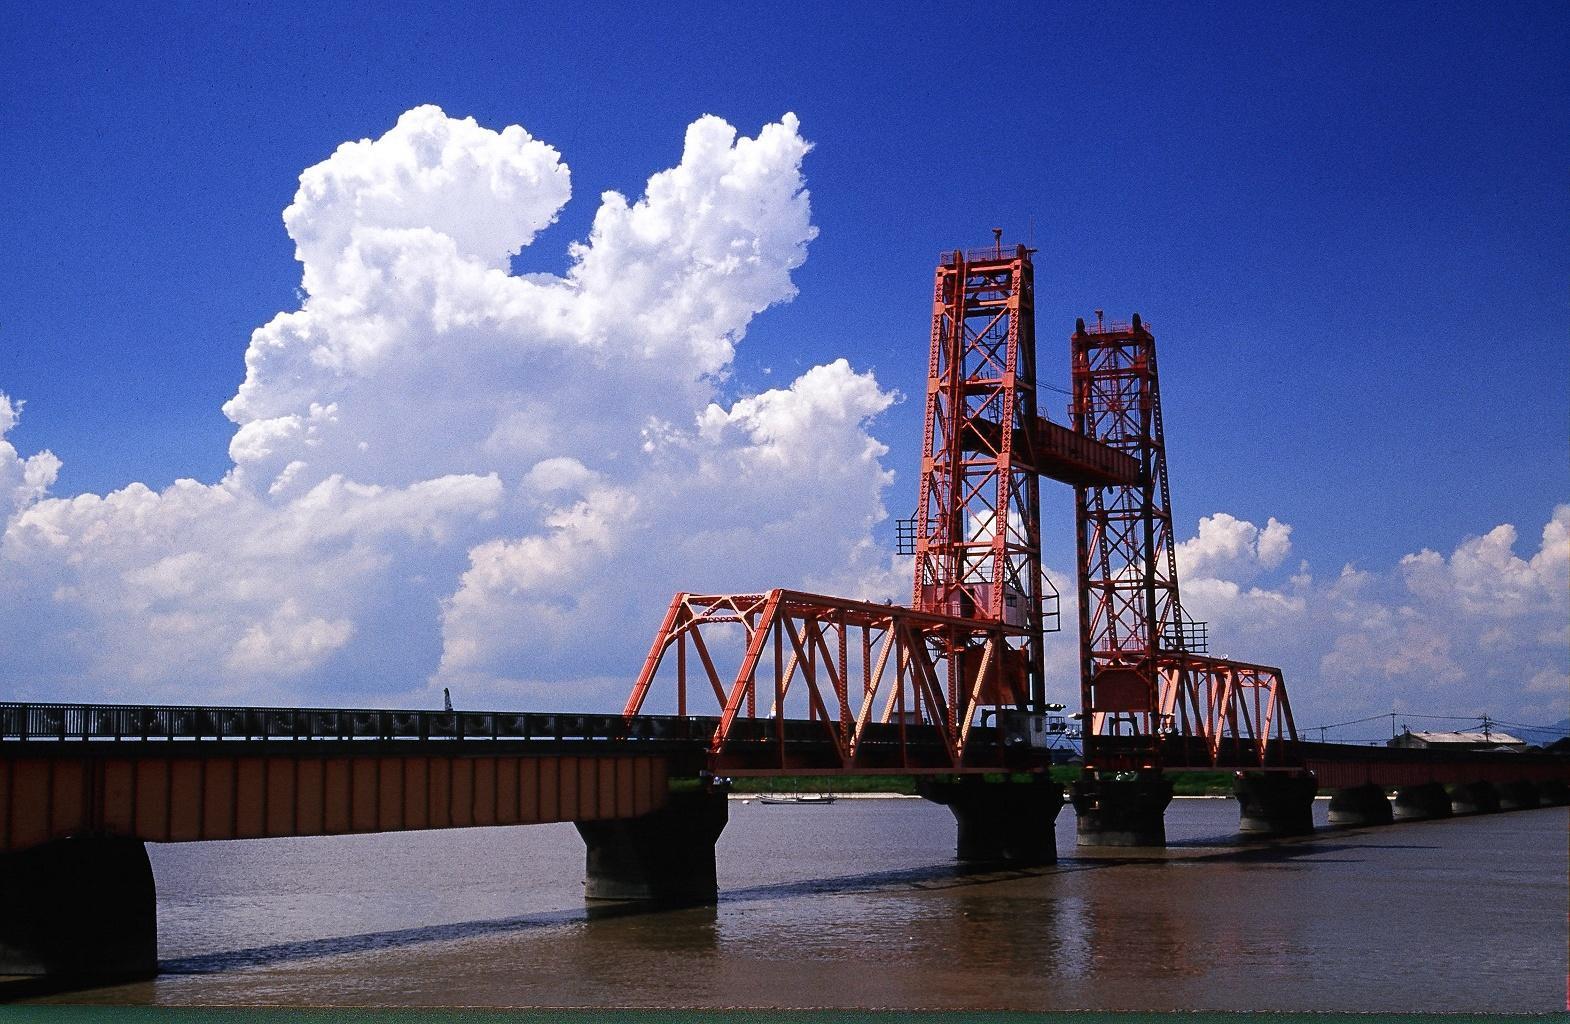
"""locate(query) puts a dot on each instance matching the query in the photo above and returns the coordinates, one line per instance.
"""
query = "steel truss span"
(880, 687)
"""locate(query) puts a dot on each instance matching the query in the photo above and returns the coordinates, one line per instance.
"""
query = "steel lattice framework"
(978, 518)
(1215, 700)
(881, 682)
(1128, 593)
(1144, 674)
(972, 639)
(971, 644)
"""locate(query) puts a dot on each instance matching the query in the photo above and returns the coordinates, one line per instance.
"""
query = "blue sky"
(1347, 225)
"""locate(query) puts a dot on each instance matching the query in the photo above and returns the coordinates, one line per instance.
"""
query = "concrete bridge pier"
(1360, 805)
(79, 910)
(663, 857)
(1121, 812)
(1275, 803)
(1553, 793)
(1474, 798)
(1519, 796)
(1011, 822)
(1428, 800)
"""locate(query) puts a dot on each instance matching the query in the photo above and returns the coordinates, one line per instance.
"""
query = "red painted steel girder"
(1059, 453)
(1343, 765)
(1128, 590)
(874, 679)
(1216, 700)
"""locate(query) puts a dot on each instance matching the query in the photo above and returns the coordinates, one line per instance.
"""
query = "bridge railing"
(111, 722)
(757, 745)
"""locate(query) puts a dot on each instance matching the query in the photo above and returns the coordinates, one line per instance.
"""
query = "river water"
(859, 905)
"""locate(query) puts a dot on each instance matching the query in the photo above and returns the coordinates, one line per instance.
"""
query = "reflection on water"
(859, 904)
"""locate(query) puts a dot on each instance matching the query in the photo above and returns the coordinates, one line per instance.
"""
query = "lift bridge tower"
(968, 649)
(977, 528)
(1151, 696)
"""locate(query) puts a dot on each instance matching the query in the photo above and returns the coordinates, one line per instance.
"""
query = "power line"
(1355, 721)
(1489, 719)
(1555, 730)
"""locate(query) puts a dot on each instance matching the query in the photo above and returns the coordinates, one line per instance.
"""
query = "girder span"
(1220, 700)
(888, 687)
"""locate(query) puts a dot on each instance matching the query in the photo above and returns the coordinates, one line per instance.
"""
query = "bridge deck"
(753, 747)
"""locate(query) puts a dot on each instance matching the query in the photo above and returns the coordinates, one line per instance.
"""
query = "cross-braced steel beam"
(890, 688)
(978, 519)
(1142, 676)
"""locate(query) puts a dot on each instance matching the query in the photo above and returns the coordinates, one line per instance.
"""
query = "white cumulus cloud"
(449, 474)
(22, 481)
(1234, 547)
(1481, 629)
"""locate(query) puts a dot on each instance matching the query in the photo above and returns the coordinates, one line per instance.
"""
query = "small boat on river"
(797, 798)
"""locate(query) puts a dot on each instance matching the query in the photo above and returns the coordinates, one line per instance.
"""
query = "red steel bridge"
(950, 688)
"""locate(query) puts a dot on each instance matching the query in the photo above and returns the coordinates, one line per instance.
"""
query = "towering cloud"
(446, 473)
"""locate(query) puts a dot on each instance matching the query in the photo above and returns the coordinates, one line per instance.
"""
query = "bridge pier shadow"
(1519, 796)
(79, 911)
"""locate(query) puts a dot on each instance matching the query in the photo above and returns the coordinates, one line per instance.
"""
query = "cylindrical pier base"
(1360, 805)
(1414, 803)
(1553, 793)
(1121, 812)
(80, 910)
(1011, 822)
(1518, 796)
(664, 857)
(1474, 798)
(1275, 803)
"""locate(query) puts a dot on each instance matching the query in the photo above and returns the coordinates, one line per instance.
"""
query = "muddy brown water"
(859, 905)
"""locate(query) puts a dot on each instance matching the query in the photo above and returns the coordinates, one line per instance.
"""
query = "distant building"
(1493, 740)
